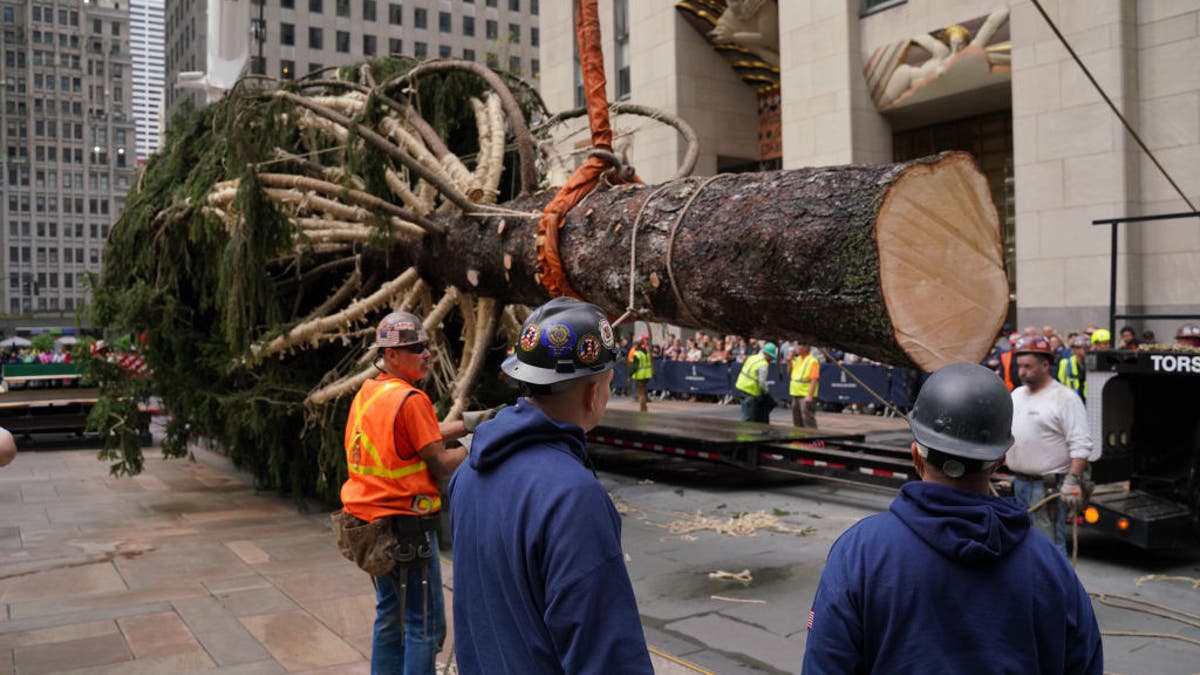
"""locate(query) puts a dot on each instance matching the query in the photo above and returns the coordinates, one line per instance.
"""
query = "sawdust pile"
(738, 525)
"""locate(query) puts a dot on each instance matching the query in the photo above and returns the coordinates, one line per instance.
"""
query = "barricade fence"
(897, 385)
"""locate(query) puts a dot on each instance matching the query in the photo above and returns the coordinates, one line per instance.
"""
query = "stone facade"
(1072, 160)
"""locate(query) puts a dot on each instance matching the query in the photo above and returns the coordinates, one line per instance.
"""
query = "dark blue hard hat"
(564, 339)
(964, 410)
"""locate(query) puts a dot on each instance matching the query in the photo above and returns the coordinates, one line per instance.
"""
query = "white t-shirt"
(1050, 429)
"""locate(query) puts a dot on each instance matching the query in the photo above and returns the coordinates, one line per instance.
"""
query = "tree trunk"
(899, 263)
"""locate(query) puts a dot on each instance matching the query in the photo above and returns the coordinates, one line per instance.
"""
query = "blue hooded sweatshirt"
(540, 584)
(950, 581)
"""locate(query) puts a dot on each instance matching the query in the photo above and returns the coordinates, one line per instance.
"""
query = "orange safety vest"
(384, 480)
(1008, 372)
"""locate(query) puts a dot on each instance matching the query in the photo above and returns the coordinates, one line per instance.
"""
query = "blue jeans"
(407, 639)
(1051, 519)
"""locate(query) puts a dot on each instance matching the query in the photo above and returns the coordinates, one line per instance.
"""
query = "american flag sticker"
(811, 613)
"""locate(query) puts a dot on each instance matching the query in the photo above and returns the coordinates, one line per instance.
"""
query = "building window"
(535, 68)
(258, 65)
(493, 61)
(287, 4)
(514, 65)
(533, 7)
(420, 50)
(535, 37)
(514, 5)
(368, 45)
(314, 6)
(490, 3)
(444, 22)
(395, 46)
(444, 51)
(343, 8)
(343, 41)
(420, 18)
(315, 68)
(514, 33)
(469, 54)
(469, 26)
(395, 15)
(621, 38)
(368, 10)
(872, 6)
(287, 69)
(287, 34)
(316, 39)
(491, 30)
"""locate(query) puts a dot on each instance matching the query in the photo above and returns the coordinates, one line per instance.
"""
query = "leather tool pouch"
(368, 545)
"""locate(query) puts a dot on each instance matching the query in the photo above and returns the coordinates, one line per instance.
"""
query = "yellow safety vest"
(643, 367)
(802, 379)
(1068, 374)
(747, 380)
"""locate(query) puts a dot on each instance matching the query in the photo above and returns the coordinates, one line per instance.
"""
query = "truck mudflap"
(1141, 518)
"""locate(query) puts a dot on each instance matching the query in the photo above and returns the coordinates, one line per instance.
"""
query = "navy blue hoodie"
(950, 581)
(540, 584)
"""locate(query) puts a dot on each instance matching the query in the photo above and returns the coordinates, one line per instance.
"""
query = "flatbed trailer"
(754, 446)
(45, 397)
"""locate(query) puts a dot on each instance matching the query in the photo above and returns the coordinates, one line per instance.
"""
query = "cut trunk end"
(941, 265)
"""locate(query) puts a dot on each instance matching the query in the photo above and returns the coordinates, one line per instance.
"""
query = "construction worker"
(1101, 339)
(913, 589)
(805, 380)
(1071, 370)
(757, 402)
(1188, 335)
(540, 583)
(643, 370)
(8, 447)
(395, 455)
(1052, 448)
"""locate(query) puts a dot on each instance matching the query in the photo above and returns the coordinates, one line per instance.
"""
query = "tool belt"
(378, 546)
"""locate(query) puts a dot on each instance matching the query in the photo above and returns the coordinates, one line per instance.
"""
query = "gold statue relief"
(752, 24)
(956, 61)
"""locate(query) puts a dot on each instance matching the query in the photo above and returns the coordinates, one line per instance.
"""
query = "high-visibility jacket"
(1008, 370)
(805, 376)
(643, 366)
(1071, 374)
(384, 480)
(747, 381)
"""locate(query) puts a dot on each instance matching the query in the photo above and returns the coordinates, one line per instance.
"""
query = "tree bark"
(899, 263)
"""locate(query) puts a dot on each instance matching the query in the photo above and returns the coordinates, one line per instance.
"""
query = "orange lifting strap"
(591, 58)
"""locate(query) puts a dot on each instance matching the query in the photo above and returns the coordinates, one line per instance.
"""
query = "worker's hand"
(1072, 494)
(474, 418)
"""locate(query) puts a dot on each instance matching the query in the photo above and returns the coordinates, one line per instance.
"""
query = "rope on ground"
(1134, 633)
(1167, 577)
(1166, 613)
(671, 244)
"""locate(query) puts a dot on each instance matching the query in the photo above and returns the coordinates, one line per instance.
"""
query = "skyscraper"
(146, 37)
(68, 138)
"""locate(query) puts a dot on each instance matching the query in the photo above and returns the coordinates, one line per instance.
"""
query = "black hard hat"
(564, 339)
(964, 410)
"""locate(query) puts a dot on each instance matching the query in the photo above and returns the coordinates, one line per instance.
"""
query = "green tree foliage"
(200, 290)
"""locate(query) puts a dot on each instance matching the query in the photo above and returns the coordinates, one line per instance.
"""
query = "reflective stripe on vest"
(643, 368)
(800, 384)
(747, 380)
(1006, 367)
(360, 440)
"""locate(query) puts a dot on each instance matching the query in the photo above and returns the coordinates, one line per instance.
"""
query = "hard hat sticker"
(529, 337)
(589, 349)
(559, 339)
(606, 333)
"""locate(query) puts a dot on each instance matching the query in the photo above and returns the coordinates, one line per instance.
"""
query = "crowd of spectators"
(1060, 342)
(13, 355)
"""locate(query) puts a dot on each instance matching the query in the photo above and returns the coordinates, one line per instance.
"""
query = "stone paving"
(182, 568)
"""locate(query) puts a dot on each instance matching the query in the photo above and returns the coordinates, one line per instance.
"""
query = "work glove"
(1071, 494)
(474, 418)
